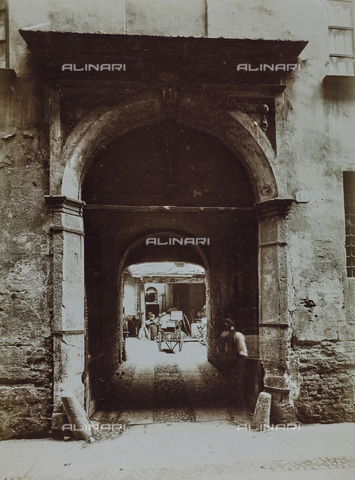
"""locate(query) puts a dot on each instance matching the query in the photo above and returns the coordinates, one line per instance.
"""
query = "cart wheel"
(181, 343)
(159, 341)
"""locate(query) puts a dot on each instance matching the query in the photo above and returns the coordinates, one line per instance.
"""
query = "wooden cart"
(170, 332)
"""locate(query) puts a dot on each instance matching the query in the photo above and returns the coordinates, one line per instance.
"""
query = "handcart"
(170, 332)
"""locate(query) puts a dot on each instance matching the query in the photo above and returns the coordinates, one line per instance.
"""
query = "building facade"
(132, 119)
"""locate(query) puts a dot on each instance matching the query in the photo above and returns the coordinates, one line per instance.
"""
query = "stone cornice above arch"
(137, 57)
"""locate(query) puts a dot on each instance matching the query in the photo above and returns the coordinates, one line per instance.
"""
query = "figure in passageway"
(152, 325)
(234, 340)
(144, 333)
(236, 351)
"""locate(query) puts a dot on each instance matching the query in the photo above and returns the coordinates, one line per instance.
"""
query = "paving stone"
(168, 389)
(213, 471)
(183, 392)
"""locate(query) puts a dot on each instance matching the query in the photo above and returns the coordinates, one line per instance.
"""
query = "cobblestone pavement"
(325, 465)
(162, 387)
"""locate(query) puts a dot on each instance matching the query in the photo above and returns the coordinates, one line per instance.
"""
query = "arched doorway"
(250, 151)
(172, 177)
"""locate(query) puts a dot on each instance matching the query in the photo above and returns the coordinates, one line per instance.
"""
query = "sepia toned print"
(177, 237)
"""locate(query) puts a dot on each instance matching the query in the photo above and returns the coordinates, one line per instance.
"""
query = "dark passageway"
(163, 387)
(163, 182)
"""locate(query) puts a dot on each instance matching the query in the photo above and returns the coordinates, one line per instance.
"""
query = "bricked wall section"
(328, 382)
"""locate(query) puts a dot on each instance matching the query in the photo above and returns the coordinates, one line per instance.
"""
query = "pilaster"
(274, 327)
(68, 326)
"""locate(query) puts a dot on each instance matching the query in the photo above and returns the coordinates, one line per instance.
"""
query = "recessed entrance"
(189, 170)
(168, 193)
(165, 375)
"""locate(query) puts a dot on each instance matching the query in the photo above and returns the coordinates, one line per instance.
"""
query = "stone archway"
(105, 296)
(236, 129)
(68, 167)
(202, 259)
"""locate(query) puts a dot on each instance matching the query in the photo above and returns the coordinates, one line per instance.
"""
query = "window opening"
(4, 35)
(349, 202)
(341, 37)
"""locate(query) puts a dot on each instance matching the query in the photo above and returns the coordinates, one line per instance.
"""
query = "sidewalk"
(167, 445)
(206, 450)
